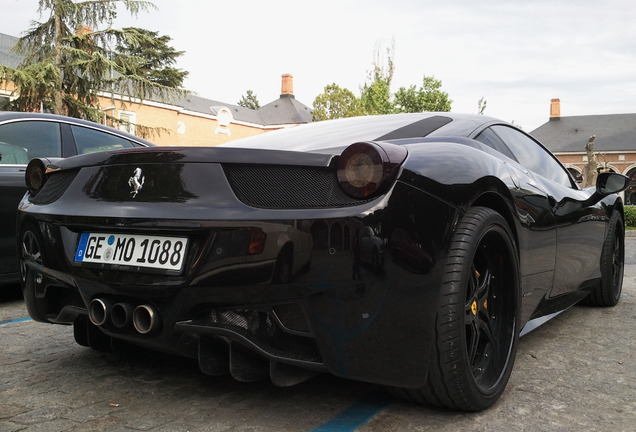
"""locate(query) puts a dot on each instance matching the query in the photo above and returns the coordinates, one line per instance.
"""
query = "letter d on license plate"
(159, 252)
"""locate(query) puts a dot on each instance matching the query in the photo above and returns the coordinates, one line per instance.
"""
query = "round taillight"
(35, 176)
(365, 168)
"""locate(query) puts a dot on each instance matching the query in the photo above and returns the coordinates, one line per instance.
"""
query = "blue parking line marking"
(356, 415)
(16, 320)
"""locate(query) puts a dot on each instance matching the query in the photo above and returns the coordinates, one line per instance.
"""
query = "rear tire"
(608, 292)
(32, 283)
(477, 324)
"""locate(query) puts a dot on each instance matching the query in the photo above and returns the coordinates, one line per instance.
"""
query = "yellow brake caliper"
(473, 306)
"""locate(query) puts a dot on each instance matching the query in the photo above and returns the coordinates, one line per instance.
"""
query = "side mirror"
(609, 183)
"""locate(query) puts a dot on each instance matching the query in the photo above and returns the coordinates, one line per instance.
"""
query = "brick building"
(191, 120)
(615, 143)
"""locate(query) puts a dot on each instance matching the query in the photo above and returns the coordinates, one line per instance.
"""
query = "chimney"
(555, 109)
(287, 86)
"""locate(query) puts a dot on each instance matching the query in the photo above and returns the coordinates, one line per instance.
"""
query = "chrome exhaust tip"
(98, 311)
(121, 315)
(145, 319)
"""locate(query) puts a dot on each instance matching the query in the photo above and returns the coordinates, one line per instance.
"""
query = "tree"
(336, 102)
(148, 55)
(375, 95)
(481, 105)
(249, 100)
(428, 97)
(68, 60)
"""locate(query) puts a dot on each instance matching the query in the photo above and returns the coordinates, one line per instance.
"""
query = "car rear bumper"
(329, 310)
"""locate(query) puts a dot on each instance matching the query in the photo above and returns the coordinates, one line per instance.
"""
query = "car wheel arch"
(619, 207)
(455, 377)
(501, 205)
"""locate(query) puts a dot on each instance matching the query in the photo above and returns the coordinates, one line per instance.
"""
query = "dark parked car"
(25, 136)
(208, 258)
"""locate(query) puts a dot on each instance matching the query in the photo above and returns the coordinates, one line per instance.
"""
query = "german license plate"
(156, 252)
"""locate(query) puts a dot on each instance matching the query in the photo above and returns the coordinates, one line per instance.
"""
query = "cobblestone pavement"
(576, 373)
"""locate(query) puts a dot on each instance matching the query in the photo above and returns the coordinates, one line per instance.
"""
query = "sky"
(516, 54)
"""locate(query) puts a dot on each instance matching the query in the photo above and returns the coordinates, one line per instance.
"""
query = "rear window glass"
(89, 140)
(26, 140)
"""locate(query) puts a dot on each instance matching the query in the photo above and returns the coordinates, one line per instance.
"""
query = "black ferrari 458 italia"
(408, 250)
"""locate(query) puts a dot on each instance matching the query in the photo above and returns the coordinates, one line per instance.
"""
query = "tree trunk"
(58, 107)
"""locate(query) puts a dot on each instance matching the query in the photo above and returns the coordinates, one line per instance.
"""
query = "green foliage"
(428, 97)
(249, 100)
(336, 102)
(35, 82)
(144, 54)
(376, 98)
(630, 216)
(375, 95)
(68, 60)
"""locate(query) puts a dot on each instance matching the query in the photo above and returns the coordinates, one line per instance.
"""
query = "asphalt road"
(576, 373)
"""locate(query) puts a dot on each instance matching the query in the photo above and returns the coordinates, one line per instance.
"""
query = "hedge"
(630, 216)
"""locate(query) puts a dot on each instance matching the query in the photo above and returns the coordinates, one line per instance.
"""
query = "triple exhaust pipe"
(144, 318)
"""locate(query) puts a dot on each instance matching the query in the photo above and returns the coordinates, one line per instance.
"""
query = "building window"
(630, 192)
(127, 121)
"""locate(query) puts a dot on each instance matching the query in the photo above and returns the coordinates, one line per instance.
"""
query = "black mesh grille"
(54, 187)
(287, 187)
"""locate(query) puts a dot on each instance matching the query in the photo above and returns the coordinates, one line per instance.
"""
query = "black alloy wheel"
(31, 250)
(31, 281)
(477, 325)
(489, 315)
(608, 292)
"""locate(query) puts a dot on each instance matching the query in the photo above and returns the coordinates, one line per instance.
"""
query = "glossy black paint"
(316, 298)
(21, 132)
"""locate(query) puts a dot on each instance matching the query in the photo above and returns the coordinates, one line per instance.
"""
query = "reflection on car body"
(410, 254)
(264, 253)
(408, 250)
(371, 248)
(25, 136)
